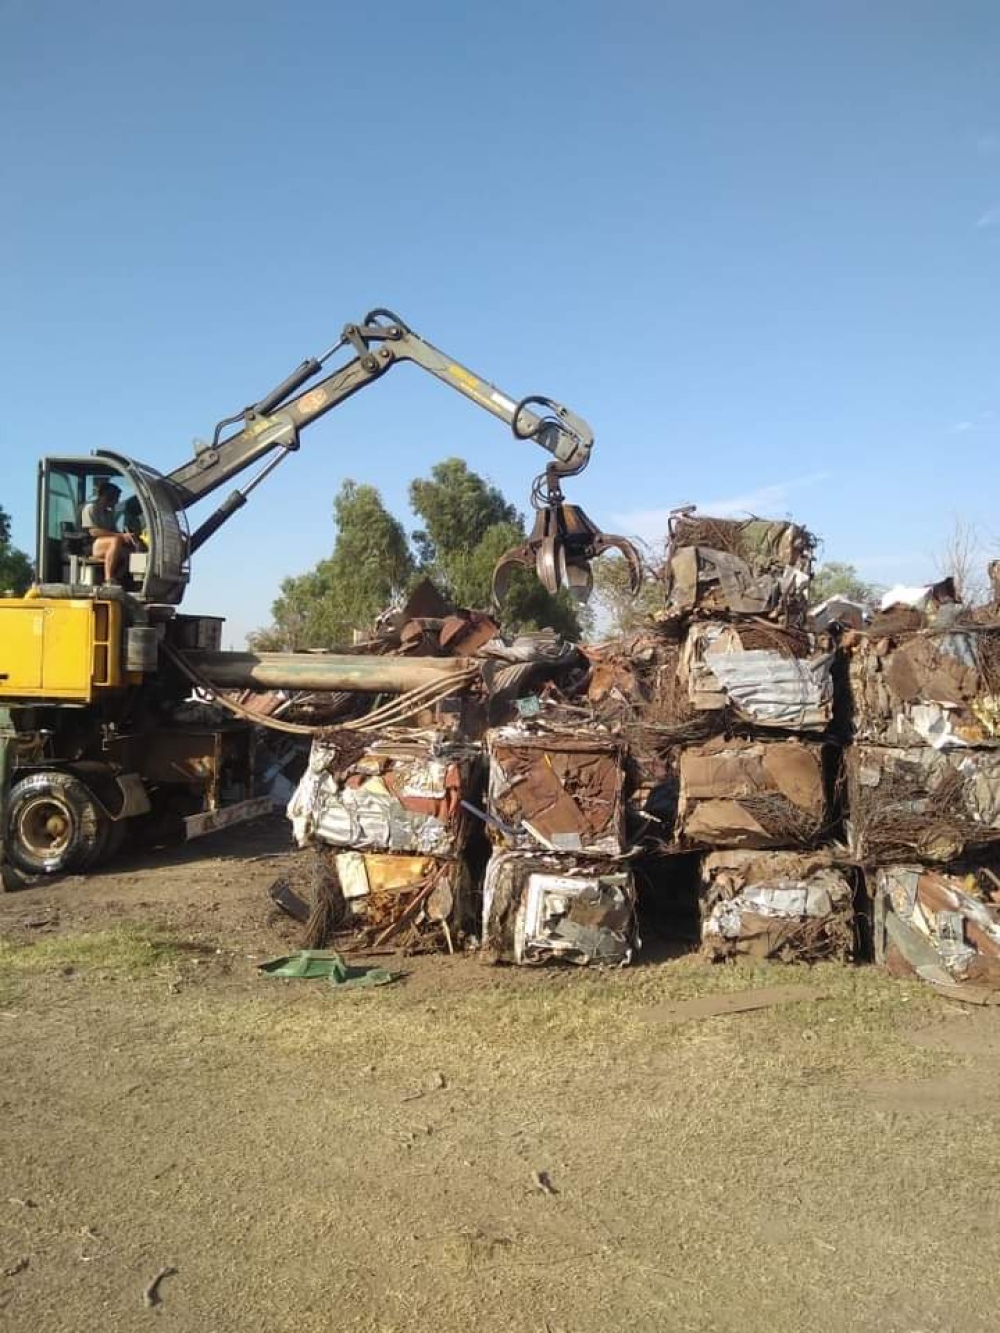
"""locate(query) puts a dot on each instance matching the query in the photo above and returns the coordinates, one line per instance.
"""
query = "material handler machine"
(96, 723)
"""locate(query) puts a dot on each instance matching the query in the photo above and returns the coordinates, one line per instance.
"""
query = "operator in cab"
(100, 519)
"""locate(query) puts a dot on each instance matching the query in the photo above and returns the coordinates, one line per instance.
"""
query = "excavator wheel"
(55, 825)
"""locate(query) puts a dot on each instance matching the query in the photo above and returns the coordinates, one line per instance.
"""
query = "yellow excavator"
(97, 724)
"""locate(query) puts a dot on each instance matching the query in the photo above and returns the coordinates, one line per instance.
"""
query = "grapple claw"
(519, 555)
(561, 546)
(608, 541)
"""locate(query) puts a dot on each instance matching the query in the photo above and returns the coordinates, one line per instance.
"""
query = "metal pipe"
(324, 671)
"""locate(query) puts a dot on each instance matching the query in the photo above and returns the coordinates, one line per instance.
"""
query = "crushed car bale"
(390, 819)
(761, 674)
(751, 567)
(556, 791)
(927, 688)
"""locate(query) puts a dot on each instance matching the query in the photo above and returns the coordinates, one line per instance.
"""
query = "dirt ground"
(305, 1158)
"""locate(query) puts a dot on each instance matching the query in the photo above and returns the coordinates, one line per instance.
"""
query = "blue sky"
(756, 245)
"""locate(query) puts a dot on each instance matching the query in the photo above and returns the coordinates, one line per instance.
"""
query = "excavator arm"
(563, 539)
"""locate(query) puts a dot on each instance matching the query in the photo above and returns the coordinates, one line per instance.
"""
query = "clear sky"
(757, 245)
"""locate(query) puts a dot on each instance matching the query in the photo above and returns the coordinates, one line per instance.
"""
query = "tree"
(370, 566)
(468, 525)
(615, 610)
(16, 572)
(837, 578)
(458, 508)
(961, 559)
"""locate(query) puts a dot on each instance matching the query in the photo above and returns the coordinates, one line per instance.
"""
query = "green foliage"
(615, 610)
(370, 565)
(458, 508)
(468, 525)
(16, 572)
(836, 578)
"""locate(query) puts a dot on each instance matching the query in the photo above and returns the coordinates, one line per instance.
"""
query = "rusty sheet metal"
(387, 796)
(760, 674)
(940, 689)
(920, 804)
(937, 924)
(543, 908)
(792, 906)
(743, 793)
(557, 791)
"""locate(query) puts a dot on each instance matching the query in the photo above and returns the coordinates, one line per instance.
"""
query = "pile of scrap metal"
(795, 765)
(727, 704)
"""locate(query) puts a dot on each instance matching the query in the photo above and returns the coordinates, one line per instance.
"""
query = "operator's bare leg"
(112, 551)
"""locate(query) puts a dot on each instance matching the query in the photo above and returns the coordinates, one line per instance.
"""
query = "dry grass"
(374, 1153)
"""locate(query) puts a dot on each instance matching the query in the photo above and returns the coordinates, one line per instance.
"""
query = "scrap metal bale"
(543, 908)
(387, 795)
(748, 793)
(787, 905)
(766, 545)
(761, 674)
(395, 896)
(937, 924)
(739, 567)
(920, 804)
(556, 791)
(937, 688)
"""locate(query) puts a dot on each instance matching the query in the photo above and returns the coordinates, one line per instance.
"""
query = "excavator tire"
(55, 825)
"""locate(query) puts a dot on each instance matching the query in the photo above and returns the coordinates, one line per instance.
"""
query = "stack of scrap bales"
(763, 686)
(556, 886)
(391, 814)
(923, 790)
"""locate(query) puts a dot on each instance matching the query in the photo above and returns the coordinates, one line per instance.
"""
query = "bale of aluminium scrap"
(930, 687)
(760, 674)
(540, 908)
(387, 795)
(937, 924)
(750, 793)
(793, 906)
(920, 804)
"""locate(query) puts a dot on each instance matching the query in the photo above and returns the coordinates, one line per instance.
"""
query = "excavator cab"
(158, 570)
